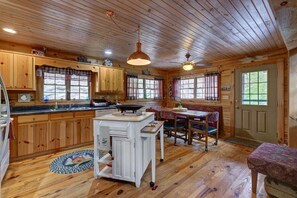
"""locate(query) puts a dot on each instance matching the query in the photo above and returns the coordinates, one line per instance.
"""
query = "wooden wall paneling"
(292, 120)
(6, 69)
(280, 101)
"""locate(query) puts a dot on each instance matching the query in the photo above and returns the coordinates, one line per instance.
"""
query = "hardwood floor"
(187, 171)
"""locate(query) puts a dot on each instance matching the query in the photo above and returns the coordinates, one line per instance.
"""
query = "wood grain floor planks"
(188, 171)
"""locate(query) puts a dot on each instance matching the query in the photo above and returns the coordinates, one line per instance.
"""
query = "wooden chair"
(157, 113)
(180, 128)
(203, 129)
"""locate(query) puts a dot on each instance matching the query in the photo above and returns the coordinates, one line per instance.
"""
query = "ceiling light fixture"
(108, 52)
(9, 30)
(138, 57)
(188, 65)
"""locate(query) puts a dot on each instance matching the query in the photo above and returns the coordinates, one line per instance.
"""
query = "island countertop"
(125, 117)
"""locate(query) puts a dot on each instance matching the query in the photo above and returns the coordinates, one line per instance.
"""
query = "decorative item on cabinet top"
(107, 62)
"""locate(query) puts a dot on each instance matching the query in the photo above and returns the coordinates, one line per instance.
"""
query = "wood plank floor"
(187, 171)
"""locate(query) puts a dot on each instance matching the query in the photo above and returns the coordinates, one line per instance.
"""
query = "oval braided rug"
(74, 162)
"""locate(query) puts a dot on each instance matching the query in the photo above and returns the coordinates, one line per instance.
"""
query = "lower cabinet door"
(123, 163)
(61, 134)
(83, 130)
(32, 138)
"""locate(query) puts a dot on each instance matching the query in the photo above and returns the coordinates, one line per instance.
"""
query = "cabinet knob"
(1, 63)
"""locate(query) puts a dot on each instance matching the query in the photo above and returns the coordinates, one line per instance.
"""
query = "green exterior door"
(256, 103)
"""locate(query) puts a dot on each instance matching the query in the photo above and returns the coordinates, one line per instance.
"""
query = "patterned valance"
(67, 71)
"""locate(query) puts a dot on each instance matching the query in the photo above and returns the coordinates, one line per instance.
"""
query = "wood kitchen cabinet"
(19, 71)
(6, 69)
(110, 79)
(32, 134)
(83, 131)
(45, 132)
(61, 130)
(32, 138)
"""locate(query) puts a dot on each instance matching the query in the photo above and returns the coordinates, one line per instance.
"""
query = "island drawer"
(32, 118)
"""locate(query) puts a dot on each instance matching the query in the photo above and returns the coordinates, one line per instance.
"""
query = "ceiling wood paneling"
(210, 30)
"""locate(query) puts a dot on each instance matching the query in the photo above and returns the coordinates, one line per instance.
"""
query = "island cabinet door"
(123, 165)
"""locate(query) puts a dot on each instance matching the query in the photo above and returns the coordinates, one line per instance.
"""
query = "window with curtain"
(212, 86)
(141, 88)
(204, 87)
(65, 84)
(132, 87)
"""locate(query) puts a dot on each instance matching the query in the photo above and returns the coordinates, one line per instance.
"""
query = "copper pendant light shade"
(139, 58)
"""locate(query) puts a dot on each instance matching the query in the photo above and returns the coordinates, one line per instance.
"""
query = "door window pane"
(254, 88)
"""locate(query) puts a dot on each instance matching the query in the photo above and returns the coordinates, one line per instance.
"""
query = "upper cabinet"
(110, 79)
(24, 72)
(6, 69)
(17, 71)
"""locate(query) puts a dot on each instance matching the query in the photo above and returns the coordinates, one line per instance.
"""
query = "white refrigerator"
(4, 131)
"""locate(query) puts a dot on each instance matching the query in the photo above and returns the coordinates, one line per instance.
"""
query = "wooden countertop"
(125, 117)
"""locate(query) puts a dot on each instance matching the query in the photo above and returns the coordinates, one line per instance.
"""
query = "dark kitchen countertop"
(28, 111)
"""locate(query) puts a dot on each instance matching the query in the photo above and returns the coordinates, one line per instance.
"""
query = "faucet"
(70, 105)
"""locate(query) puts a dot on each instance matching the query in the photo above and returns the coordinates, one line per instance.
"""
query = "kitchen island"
(130, 152)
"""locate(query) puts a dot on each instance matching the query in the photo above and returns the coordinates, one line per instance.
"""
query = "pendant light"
(138, 57)
(188, 65)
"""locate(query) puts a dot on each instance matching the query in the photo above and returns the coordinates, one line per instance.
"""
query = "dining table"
(175, 113)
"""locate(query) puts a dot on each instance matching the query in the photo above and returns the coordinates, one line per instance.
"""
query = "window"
(201, 87)
(140, 88)
(79, 87)
(254, 88)
(187, 88)
(65, 84)
(54, 86)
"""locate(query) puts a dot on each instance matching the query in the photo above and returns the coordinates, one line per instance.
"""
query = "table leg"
(162, 143)
(153, 150)
(254, 181)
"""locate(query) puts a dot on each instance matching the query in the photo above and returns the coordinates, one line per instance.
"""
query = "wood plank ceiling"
(210, 30)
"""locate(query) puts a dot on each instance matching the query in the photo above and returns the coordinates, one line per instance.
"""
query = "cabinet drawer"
(33, 118)
(59, 116)
(84, 114)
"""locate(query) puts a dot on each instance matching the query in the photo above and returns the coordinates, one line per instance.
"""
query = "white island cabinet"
(131, 153)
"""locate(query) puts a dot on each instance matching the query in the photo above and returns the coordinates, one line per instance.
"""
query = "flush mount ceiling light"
(138, 57)
(108, 52)
(9, 30)
(188, 65)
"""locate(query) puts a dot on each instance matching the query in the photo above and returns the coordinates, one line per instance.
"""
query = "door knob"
(237, 107)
